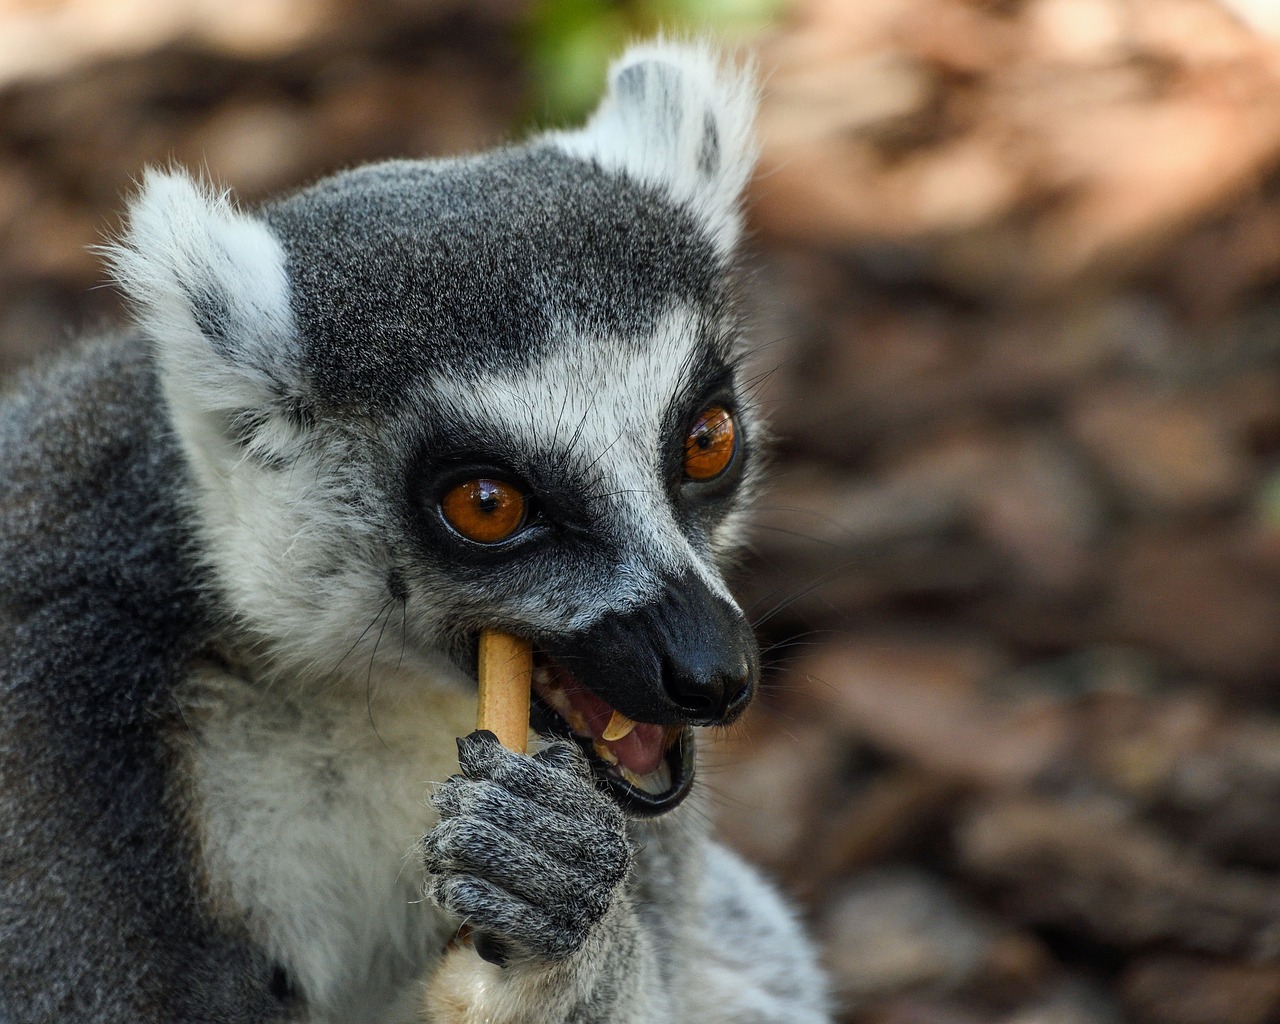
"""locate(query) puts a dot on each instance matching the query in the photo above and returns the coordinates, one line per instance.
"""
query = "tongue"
(639, 751)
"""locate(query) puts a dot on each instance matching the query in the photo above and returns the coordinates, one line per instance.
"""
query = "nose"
(708, 696)
(685, 656)
(707, 667)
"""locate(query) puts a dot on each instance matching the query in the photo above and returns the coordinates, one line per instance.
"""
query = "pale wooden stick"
(505, 671)
(506, 665)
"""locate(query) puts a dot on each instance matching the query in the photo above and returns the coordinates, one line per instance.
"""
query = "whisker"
(362, 634)
(368, 690)
(592, 464)
(404, 630)
(791, 599)
(787, 531)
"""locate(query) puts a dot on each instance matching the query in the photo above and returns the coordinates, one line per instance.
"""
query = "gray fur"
(236, 633)
(94, 859)
(479, 262)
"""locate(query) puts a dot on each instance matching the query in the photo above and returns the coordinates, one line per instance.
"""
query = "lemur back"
(246, 547)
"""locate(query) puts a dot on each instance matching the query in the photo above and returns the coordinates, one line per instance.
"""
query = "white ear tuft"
(208, 285)
(677, 118)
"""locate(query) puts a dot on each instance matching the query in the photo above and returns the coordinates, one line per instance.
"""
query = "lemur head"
(422, 398)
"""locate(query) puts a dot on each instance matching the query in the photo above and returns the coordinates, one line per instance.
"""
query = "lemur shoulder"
(246, 548)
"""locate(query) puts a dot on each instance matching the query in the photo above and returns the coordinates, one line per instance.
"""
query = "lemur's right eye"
(485, 511)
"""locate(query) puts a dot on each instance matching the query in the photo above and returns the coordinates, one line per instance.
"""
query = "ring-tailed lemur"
(246, 549)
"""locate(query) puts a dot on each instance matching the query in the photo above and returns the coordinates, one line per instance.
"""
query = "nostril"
(699, 697)
(707, 700)
(695, 702)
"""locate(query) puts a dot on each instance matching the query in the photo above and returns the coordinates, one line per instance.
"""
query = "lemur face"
(583, 501)
(425, 398)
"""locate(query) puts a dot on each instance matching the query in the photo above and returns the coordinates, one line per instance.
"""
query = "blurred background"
(1016, 266)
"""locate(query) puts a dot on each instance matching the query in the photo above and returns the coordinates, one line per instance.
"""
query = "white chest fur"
(310, 807)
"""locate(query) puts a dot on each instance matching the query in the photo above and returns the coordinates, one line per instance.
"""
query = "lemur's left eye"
(485, 511)
(710, 444)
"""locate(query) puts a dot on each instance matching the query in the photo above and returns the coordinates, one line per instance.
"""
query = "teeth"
(560, 702)
(605, 754)
(537, 742)
(619, 726)
(656, 783)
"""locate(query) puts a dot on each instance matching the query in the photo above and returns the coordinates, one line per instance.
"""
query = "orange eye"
(485, 511)
(710, 444)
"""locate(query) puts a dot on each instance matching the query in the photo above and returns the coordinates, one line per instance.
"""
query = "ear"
(677, 119)
(208, 286)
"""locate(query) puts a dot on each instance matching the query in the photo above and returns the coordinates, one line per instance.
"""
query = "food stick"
(505, 668)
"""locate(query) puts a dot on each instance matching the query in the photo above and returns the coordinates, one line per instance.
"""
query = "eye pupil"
(485, 511)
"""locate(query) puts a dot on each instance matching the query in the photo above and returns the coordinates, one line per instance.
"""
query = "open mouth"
(648, 768)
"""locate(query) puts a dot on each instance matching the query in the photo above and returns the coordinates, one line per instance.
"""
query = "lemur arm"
(746, 960)
(752, 961)
(613, 979)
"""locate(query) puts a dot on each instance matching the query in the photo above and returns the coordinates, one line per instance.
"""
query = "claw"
(491, 949)
(478, 753)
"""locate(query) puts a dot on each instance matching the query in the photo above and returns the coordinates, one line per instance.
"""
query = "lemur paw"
(528, 852)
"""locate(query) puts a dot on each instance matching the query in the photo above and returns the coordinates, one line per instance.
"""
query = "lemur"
(247, 545)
